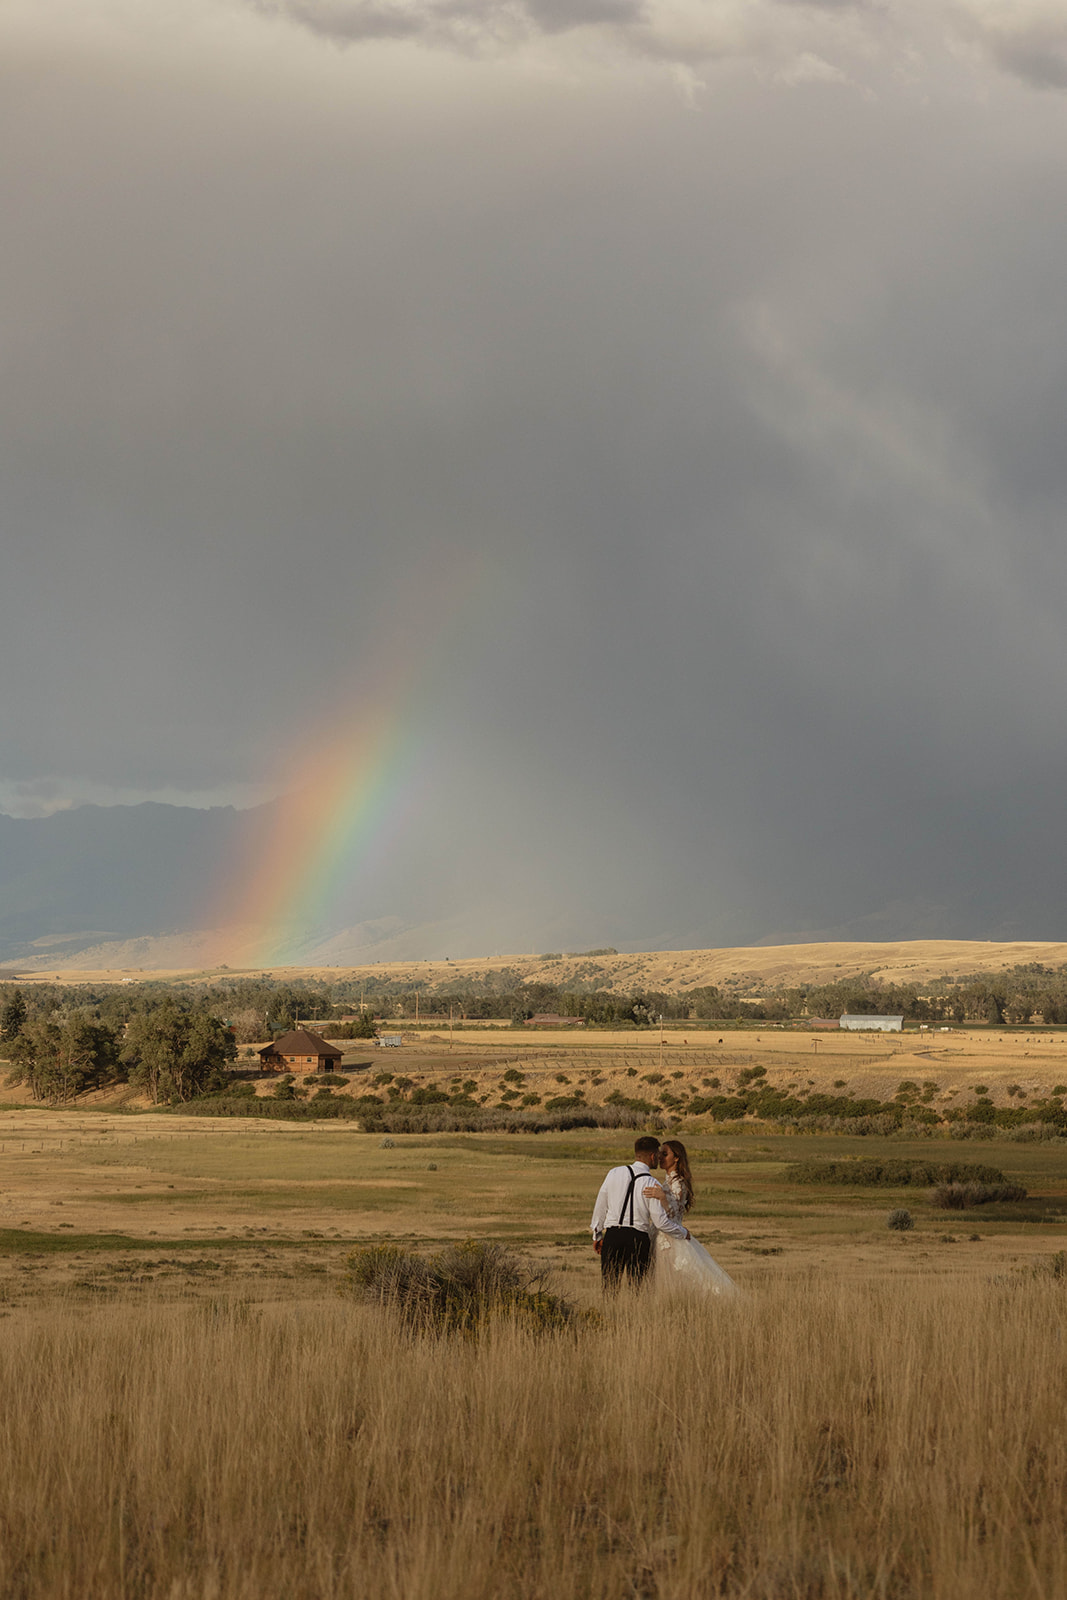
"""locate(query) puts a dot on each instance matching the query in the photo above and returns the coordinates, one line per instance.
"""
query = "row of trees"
(172, 1052)
(1019, 996)
(251, 1009)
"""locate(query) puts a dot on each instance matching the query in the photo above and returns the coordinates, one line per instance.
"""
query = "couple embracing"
(638, 1224)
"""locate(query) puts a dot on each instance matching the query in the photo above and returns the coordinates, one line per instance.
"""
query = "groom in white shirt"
(624, 1222)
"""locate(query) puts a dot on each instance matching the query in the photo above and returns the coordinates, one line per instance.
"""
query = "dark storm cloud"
(1040, 56)
(464, 23)
(724, 430)
(805, 39)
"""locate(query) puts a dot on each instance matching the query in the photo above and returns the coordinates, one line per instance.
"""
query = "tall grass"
(811, 1440)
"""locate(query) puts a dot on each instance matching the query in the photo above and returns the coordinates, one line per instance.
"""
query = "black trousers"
(625, 1253)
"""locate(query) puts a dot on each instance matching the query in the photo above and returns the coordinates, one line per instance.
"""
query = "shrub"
(900, 1220)
(429, 1097)
(463, 1289)
(958, 1196)
(505, 1119)
(335, 1107)
(1053, 1266)
(891, 1174)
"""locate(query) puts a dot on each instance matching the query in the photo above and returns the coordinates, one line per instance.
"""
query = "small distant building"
(300, 1051)
(860, 1024)
(391, 1041)
(823, 1022)
(549, 1019)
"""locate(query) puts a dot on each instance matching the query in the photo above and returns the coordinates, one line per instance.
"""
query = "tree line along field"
(167, 1046)
(156, 1042)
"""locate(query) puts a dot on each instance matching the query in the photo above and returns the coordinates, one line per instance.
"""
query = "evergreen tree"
(13, 1015)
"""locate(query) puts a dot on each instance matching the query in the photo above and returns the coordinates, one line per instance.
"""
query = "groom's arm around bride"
(625, 1219)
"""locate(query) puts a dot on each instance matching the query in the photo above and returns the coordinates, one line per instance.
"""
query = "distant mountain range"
(151, 886)
(98, 875)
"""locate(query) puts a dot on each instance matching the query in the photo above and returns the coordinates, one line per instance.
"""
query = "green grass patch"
(333, 1197)
(21, 1242)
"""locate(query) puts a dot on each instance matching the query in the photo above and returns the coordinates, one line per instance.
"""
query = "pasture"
(196, 1405)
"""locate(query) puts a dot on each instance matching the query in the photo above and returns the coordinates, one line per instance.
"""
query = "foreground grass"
(812, 1440)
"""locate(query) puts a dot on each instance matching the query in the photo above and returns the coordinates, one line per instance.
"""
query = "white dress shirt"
(649, 1215)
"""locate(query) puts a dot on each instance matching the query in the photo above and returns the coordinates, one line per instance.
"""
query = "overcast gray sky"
(679, 385)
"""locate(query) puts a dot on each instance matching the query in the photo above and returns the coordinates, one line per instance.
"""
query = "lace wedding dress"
(683, 1264)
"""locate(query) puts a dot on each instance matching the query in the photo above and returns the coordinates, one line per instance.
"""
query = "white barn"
(861, 1024)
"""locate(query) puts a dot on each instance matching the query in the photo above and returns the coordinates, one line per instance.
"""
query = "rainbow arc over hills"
(369, 763)
(320, 833)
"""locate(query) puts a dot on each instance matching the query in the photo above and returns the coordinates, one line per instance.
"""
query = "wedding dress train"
(684, 1264)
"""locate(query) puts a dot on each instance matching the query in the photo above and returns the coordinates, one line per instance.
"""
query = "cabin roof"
(302, 1043)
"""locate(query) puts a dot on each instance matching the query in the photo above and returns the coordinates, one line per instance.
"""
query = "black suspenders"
(629, 1200)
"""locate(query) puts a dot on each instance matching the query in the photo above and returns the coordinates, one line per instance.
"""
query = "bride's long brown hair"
(678, 1150)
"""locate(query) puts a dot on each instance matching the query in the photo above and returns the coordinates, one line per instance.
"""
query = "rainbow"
(368, 764)
(320, 834)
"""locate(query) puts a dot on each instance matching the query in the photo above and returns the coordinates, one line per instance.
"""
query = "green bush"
(429, 1097)
(363, 1028)
(891, 1174)
(463, 1289)
(338, 1107)
(958, 1196)
(504, 1119)
(900, 1221)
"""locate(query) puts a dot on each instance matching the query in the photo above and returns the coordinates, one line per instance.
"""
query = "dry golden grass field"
(196, 1407)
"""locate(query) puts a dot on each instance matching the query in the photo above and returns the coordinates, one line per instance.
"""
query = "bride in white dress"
(683, 1263)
